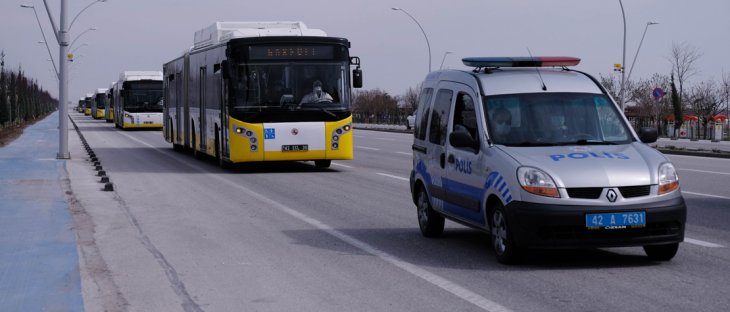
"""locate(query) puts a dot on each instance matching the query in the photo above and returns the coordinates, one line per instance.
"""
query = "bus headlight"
(538, 182)
(668, 179)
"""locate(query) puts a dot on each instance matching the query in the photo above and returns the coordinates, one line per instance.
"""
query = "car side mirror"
(648, 134)
(461, 139)
(357, 78)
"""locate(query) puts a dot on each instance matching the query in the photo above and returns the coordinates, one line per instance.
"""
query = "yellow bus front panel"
(291, 141)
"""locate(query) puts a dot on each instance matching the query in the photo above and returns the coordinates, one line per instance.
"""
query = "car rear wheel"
(430, 221)
(505, 249)
(661, 252)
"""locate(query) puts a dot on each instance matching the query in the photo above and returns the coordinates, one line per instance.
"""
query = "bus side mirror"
(357, 78)
(224, 69)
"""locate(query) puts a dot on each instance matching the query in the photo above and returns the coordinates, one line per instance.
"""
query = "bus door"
(202, 128)
(223, 101)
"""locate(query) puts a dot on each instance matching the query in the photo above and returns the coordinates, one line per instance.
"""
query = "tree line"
(21, 98)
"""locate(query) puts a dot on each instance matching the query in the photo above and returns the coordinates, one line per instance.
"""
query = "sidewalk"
(39, 263)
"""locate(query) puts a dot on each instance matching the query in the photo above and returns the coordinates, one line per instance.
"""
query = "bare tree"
(683, 59)
(704, 100)
(410, 99)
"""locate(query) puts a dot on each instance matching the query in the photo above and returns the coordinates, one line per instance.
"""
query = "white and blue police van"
(540, 156)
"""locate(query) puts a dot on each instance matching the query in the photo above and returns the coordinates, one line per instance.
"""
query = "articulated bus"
(82, 105)
(137, 100)
(109, 104)
(244, 93)
(99, 102)
(87, 104)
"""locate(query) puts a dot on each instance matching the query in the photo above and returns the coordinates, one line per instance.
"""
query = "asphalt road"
(183, 235)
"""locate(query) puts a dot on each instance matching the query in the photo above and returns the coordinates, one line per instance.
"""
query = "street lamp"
(79, 47)
(82, 11)
(62, 35)
(79, 36)
(623, 60)
(444, 59)
(44, 35)
(639, 48)
(424, 35)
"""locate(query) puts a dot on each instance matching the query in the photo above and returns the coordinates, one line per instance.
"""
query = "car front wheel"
(661, 252)
(505, 249)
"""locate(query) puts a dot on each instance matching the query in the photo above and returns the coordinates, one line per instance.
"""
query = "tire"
(661, 252)
(222, 163)
(430, 221)
(322, 163)
(506, 251)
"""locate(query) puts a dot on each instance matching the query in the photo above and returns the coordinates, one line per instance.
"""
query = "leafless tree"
(683, 59)
(410, 99)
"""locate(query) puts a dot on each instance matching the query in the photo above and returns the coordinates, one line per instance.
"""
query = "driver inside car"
(317, 95)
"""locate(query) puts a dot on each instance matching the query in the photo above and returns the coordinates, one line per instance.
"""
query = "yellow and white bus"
(109, 105)
(137, 100)
(244, 93)
(98, 103)
(88, 102)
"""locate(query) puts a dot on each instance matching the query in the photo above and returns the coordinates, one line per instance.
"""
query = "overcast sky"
(144, 34)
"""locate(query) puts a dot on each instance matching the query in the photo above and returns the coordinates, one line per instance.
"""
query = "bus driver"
(317, 95)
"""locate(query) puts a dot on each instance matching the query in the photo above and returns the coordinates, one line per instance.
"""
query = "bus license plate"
(295, 148)
(617, 220)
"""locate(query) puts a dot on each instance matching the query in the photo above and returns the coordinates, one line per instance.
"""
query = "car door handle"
(451, 158)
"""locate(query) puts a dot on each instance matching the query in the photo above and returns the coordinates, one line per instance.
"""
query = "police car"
(539, 156)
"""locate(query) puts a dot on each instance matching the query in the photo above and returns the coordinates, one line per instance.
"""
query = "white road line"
(705, 195)
(367, 148)
(436, 280)
(705, 171)
(341, 165)
(404, 153)
(701, 243)
(392, 176)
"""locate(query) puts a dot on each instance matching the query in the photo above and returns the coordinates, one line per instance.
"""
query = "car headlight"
(537, 182)
(668, 179)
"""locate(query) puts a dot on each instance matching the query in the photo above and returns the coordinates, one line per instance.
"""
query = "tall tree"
(677, 105)
(4, 108)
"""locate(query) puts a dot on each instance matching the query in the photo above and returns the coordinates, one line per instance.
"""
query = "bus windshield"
(320, 86)
(143, 97)
(554, 119)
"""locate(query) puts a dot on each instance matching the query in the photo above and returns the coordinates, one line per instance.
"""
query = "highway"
(178, 234)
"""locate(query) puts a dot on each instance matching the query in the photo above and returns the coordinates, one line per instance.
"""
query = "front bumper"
(561, 226)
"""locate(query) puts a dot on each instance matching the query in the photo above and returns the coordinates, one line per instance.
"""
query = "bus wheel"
(430, 221)
(222, 163)
(322, 163)
(505, 249)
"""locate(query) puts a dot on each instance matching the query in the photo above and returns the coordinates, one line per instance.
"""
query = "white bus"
(137, 100)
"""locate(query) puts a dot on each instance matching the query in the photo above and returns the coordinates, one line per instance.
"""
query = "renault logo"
(294, 131)
(611, 195)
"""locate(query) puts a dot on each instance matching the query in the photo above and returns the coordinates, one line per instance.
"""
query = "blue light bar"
(527, 61)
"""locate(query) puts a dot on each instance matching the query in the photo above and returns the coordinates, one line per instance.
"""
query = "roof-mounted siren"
(528, 61)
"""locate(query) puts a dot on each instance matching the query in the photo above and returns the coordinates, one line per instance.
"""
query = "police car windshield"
(551, 119)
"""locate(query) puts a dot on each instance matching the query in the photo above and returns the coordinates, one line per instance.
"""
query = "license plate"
(295, 148)
(616, 220)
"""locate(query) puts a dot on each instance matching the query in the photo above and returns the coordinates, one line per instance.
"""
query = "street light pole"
(623, 61)
(55, 69)
(424, 34)
(63, 86)
(79, 35)
(444, 59)
(639, 48)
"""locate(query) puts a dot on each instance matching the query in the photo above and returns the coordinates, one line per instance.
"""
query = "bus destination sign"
(291, 52)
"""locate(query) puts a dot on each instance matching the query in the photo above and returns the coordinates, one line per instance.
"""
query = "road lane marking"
(705, 195)
(404, 153)
(341, 165)
(367, 148)
(701, 243)
(392, 176)
(436, 280)
(705, 171)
